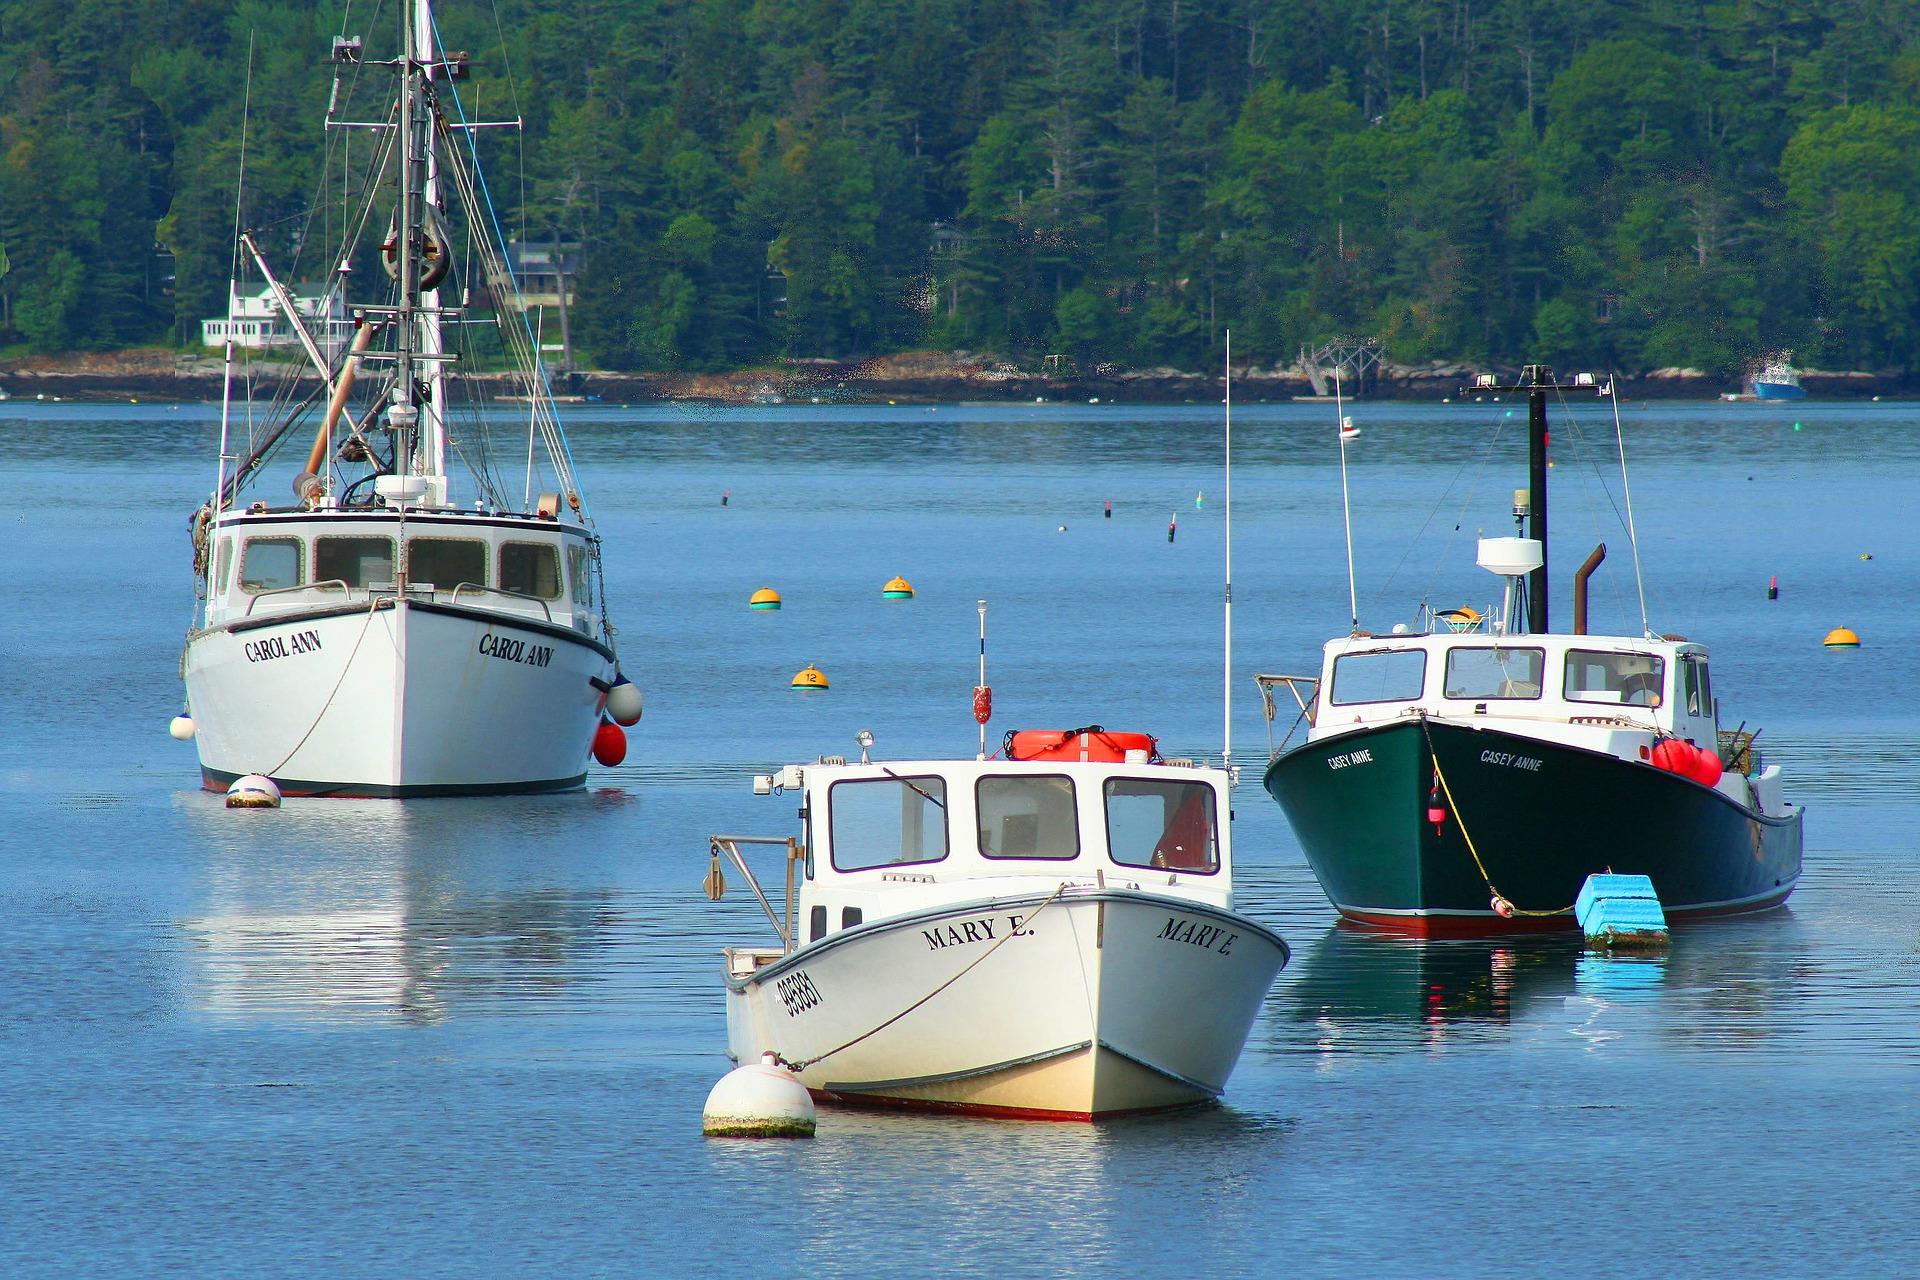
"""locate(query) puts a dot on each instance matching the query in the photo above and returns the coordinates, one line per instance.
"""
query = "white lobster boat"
(1048, 937)
(396, 630)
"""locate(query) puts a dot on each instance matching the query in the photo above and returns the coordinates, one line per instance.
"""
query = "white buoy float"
(253, 791)
(623, 701)
(182, 727)
(760, 1100)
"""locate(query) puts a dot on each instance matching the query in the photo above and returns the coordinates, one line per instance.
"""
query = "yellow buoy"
(897, 589)
(809, 677)
(1841, 638)
(764, 598)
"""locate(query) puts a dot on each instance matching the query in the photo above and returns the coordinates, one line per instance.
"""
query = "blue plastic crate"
(1616, 909)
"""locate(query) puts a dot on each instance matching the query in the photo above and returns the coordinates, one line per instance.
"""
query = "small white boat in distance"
(1049, 938)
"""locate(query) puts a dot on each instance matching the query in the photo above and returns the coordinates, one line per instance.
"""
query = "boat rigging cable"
(1626, 490)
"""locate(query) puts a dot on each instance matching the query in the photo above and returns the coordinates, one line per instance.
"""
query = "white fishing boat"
(406, 624)
(1047, 935)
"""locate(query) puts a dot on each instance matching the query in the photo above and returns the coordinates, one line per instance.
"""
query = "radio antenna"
(1226, 684)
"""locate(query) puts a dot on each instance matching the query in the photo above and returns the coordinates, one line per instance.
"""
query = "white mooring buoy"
(760, 1100)
(181, 727)
(253, 791)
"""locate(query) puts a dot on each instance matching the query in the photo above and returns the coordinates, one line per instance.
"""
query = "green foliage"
(1631, 183)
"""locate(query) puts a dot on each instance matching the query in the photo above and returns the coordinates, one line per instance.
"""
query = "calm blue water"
(473, 1037)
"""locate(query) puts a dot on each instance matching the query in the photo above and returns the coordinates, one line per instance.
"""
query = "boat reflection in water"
(395, 924)
(1367, 993)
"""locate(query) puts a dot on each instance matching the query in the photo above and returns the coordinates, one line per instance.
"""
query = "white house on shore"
(257, 320)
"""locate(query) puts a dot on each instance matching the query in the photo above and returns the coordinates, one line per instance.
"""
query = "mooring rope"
(373, 606)
(1454, 810)
(797, 1067)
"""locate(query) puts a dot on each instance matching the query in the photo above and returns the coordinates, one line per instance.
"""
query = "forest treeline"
(1597, 183)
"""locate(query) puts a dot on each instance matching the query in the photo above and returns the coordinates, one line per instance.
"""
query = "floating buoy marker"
(764, 598)
(809, 678)
(1170, 527)
(623, 701)
(1773, 587)
(182, 727)
(253, 791)
(724, 495)
(897, 589)
(1109, 509)
(760, 1100)
(1841, 638)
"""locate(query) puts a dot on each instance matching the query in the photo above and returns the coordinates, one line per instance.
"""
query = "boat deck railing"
(716, 883)
(1307, 703)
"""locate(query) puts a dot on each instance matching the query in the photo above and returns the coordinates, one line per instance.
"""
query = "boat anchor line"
(373, 607)
(1454, 810)
(803, 1064)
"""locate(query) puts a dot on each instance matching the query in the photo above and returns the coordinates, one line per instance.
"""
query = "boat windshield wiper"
(925, 795)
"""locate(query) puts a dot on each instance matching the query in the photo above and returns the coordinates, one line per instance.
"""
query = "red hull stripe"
(1486, 923)
(869, 1101)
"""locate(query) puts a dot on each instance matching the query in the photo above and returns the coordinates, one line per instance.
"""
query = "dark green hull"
(1542, 816)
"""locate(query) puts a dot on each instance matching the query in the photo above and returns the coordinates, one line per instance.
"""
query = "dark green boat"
(1469, 776)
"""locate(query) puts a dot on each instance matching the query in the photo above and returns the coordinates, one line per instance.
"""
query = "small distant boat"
(1775, 379)
(1468, 774)
(1049, 935)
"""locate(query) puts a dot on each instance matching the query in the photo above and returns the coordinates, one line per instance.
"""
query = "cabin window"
(222, 565)
(1482, 674)
(531, 569)
(883, 822)
(1624, 679)
(1164, 825)
(1699, 691)
(1384, 675)
(851, 916)
(447, 563)
(358, 562)
(1027, 817)
(271, 564)
(580, 574)
(816, 924)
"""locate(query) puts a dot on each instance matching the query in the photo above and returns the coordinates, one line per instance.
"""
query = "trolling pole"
(1346, 506)
(1226, 689)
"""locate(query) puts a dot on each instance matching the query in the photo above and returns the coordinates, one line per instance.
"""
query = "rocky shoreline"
(916, 377)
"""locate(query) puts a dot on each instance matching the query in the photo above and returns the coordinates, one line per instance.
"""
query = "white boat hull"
(1102, 1002)
(407, 698)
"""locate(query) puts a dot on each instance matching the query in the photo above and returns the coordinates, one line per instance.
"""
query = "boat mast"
(1538, 380)
(433, 436)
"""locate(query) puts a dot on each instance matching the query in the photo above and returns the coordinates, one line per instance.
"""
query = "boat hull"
(1542, 817)
(1097, 1003)
(1778, 391)
(392, 698)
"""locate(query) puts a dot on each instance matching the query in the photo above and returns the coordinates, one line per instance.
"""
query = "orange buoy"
(764, 598)
(1841, 638)
(809, 677)
(897, 589)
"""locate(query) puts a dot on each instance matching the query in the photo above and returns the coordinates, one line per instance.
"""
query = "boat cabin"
(1593, 682)
(268, 562)
(886, 838)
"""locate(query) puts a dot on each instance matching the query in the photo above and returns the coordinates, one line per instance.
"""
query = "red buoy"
(1706, 767)
(1674, 756)
(982, 703)
(609, 744)
(1436, 814)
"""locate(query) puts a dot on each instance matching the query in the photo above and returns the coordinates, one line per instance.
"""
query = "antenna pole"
(983, 677)
(1538, 380)
(1226, 682)
(1346, 506)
